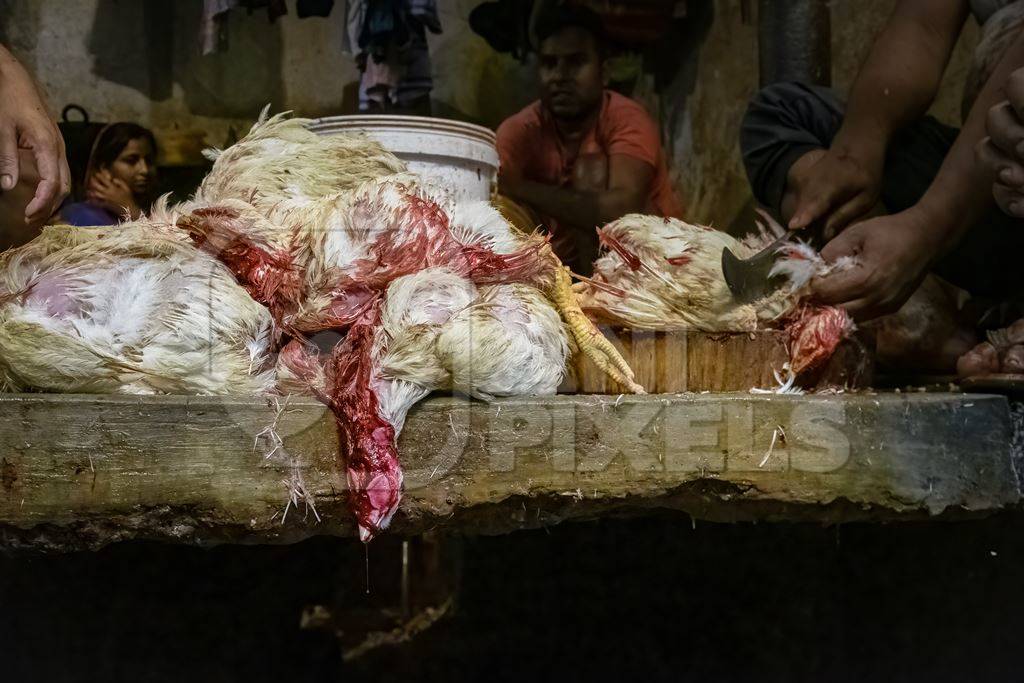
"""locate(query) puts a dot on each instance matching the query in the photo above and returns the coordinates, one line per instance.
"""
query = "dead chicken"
(280, 164)
(665, 274)
(128, 309)
(293, 237)
(425, 299)
(424, 295)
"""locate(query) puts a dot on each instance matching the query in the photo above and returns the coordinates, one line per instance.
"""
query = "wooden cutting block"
(672, 362)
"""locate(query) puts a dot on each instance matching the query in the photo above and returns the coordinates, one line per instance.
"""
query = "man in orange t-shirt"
(582, 156)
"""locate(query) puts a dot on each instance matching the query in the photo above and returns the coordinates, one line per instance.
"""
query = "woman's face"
(135, 165)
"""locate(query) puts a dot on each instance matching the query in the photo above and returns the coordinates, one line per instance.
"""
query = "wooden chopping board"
(673, 362)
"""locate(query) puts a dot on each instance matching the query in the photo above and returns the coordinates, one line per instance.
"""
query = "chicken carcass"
(128, 309)
(424, 294)
(425, 300)
(281, 164)
(665, 274)
(291, 238)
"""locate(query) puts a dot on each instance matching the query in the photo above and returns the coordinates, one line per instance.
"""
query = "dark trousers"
(786, 120)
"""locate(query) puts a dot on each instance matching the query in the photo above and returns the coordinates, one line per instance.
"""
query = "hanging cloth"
(394, 55)
(213, 25)
(425, 12)
(355, 14)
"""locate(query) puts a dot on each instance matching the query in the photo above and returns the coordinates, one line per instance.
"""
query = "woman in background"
(119, 179)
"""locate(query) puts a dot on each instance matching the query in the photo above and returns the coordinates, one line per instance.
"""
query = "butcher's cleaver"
(750, 279)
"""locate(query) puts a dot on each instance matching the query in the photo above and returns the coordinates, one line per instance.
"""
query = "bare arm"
(896, 85)
(25, 124)
(629, 182)
(895, 251)
(902, 74)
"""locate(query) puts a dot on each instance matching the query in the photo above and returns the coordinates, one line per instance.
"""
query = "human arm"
(629, 181)
(14, 230)
(892, 253)
(609, 180)
(25, 124)
(896, 85)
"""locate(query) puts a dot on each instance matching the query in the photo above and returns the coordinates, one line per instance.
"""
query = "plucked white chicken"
(665, 274)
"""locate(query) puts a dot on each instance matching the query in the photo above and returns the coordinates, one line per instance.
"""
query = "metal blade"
(748, 279)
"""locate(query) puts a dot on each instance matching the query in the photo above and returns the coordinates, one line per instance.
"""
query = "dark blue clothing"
(84, 213)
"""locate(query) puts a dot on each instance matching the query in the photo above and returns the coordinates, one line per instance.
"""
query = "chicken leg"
(588, 338)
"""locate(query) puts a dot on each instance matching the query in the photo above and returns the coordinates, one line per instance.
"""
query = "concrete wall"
(138, 60)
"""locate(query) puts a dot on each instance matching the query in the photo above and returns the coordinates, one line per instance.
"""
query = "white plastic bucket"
(458, 157)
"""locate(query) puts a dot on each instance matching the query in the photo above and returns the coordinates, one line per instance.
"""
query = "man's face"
(571, 74)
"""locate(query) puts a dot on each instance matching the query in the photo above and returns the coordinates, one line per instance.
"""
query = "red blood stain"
(420, 239)
(631, 259)
(814, 333)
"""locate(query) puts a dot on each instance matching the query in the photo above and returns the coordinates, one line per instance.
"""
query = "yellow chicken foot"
(588, 338)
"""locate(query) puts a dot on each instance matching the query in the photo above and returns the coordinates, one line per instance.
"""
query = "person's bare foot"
(983, 359)
(1002, 353)
(1013, 361)
(928, 334)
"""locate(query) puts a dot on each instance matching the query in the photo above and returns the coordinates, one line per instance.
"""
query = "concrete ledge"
(84, 471)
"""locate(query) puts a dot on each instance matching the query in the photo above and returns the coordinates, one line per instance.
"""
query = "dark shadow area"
(674, 59)
(5, 20)
(137, 43)
(132, 43)
(612, 600)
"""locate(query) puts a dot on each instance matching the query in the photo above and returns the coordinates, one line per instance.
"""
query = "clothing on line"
(392, 52)
(213, 22)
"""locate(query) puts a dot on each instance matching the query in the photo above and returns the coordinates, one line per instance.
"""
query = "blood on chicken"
(814, 333)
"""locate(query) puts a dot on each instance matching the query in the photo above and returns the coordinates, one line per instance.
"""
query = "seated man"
(826, 164)
(581, 156)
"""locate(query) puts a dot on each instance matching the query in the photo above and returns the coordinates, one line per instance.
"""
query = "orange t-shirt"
(529, 147)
